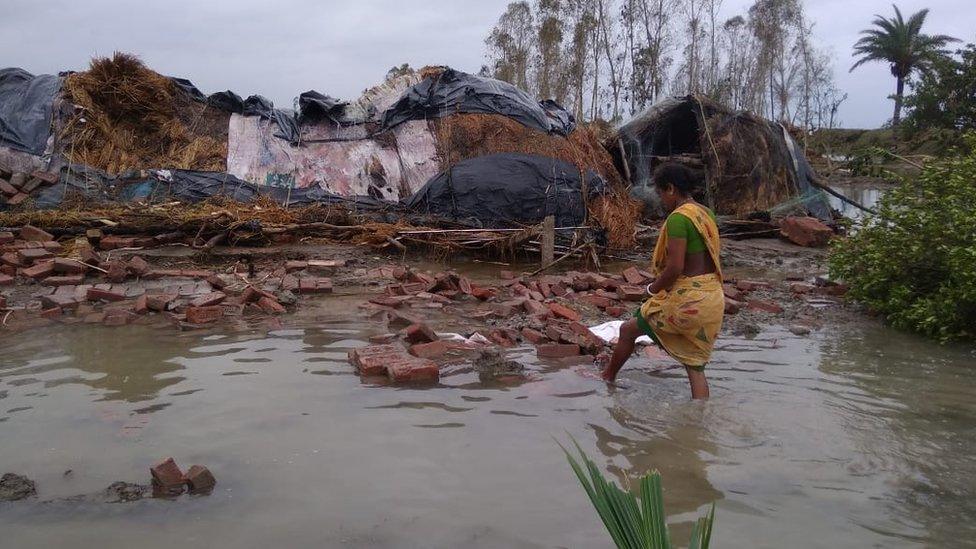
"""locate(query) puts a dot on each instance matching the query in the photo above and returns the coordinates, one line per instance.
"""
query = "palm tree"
(901, 44)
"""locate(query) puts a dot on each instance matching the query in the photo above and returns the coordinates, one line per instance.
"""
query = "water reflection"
(915, 423)
(864, 195)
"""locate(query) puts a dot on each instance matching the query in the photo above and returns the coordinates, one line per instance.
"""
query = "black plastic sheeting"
(313, 106)
(26, 106)
(96, 186)
(508, 189)
(454, 91)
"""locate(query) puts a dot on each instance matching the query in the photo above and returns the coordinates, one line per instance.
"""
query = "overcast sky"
(280, 49)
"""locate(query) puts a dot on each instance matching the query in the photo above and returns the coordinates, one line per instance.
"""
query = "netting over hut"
(748, 164)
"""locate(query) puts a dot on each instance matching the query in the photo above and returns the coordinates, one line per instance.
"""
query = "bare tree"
(511, 43)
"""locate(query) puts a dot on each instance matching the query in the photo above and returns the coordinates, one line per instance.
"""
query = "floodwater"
(860, 437)
(865, 195)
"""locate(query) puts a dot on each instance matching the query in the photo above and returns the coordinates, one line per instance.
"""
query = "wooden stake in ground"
(548, 240)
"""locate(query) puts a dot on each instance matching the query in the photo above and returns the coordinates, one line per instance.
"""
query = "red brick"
(412, 369)
(294, 265)
(60, 301)
(39, 270)
(616, 311)
(166, 474)
(68, 266)
(215, 298)
(28, 232)
(113, 242)
(833, 289)
(195, 273)
(8, 270)
(557, 350)
(49, 178)
(137, 265)
(534, 336)
(372, 360)
(502, 337)
(6, 280)
(89, 256)
(117, 317)
(6, 237)
(11, 259)
(66, 280)
(52, 313)
(116, 271)
(315, 286)
(199, 479)
(596, 300)
(433, 349)
(419, 333)
(750, 285)
(562, 311)
(159, 302)
(270, 305)
(7, 189)
(802, 288)
(29, 255)
(533, 307)
(98, 294)
(482, 294)
(633, 276)
(732, 306)
(17, 199)
(766, 306)
(141, 306)
(325, 266)
(631, 293)
(204, 315)
(506, 275)
(732, 292)
(806, 231)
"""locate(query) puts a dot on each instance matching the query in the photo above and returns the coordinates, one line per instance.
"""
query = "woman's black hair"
(683, 179)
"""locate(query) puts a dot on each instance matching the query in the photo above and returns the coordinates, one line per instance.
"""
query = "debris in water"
(15, 487)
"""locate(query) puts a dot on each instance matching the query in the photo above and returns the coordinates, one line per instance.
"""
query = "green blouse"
(679, 226)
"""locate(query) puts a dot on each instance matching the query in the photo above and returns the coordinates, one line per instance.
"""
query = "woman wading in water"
(684, 313)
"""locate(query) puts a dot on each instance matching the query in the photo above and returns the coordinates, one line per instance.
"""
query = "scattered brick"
(732, 292)
(533, 307)
(68, 266)
(159, 302)
(141, 306)
(11, 259)
(806, 231)
(432, 349)
(372, 360)
(633, 276)
(294, 265)
(7, 189)
(534, 336)
(206, 300)
(137, 265)
(50, 178)
(597, 301)
(631, 293)
(326, 266)
(419, 333)
(6, 280)
(802, 288)
(113, 242)
(31, 233)
(270, 305)
(94, 235)
(562, 311)
(732, 306)
(65, 280)
(29, 255)
(616, 311)
(766, 306)
(115, 271)
(503, 337)
(117, 317)
(6, 237)
(751, 285)
(204, 315)
(98, 294)
(557, 350)
(199, 479)
(167, 475)
(39, 270)
(506, 275)
(315, 286)
(52, 313)
(412, 369)
(17, 199)
(90, 256)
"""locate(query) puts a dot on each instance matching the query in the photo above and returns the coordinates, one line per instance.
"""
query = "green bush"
(915, 261)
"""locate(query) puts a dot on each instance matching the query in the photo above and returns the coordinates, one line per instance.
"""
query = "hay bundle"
(131, 117)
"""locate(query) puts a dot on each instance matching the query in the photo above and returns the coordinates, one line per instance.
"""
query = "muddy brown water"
(860, 437)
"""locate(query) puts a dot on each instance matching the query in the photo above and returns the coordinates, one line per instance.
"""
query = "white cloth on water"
(610, 332)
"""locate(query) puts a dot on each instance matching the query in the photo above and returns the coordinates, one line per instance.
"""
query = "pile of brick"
(100, 285)
(16, 187)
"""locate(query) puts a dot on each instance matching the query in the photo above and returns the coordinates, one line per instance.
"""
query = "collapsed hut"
(748, 164)
(120, 132)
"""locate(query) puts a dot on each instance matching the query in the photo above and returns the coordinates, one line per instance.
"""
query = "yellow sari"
(686, 319)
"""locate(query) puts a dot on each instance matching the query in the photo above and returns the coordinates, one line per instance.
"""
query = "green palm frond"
(634, 522)
(900, 43)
